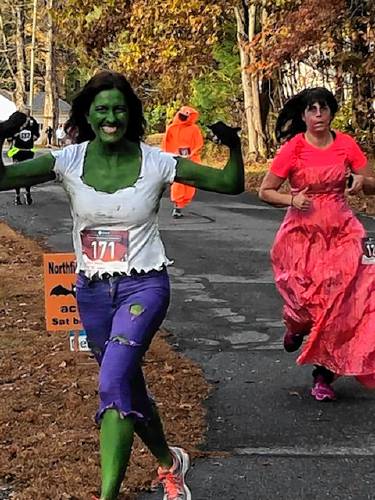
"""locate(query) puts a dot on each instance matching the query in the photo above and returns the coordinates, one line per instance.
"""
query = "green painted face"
(109, 116)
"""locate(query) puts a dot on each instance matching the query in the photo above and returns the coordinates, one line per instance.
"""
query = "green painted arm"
(230, 179)
(27, 173)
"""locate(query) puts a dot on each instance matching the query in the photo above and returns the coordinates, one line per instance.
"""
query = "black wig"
(77, 126)
(290, 122)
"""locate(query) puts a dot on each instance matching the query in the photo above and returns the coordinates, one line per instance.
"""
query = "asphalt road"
(225, 314)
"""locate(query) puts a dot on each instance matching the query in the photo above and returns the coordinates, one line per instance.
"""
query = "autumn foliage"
(148, 40)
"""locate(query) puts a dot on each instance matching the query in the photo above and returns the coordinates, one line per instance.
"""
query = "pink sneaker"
(322, 391)
(173, 479)
(292, 341)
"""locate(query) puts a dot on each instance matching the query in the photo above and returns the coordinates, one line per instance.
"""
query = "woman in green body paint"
(115, 182)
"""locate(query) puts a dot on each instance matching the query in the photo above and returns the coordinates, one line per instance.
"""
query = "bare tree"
(247, 16)
(20, 93)
(51, 110)
(12, 20)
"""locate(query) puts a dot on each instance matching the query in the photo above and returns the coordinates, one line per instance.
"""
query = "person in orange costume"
(183, 137)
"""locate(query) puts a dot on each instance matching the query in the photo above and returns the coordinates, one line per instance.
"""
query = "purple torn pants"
(121, 315)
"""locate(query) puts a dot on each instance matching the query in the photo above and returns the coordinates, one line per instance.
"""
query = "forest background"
(238, 61)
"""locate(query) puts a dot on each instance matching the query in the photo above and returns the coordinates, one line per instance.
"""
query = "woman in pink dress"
(327, 284)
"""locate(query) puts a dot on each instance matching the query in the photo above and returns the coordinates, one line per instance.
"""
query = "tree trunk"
(246, 85)
(51, 110)
(363, 101)
(20, 92)
(257, 119)
(246, 20)
(363, 112)
(6, 51)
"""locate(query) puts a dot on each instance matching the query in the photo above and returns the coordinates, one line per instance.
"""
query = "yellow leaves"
(211, 39)
(137, 12)
(284, 31)
(126, 55)
(132, 50)
(95, 14)
(169, 52)
(165, 43)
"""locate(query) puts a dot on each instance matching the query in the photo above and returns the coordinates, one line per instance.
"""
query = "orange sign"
(60, 292)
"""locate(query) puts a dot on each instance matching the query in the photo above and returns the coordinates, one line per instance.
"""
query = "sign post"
(61, 309)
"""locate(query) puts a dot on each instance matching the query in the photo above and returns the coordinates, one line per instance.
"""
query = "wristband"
(291, 201)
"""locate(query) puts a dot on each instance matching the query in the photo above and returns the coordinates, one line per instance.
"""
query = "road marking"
(209, 342)
(222, 312)
(205, 298)
(296, 451)
(271, 323)
(187, 286)
(243, 206)
(246, 337)
(220, 278)
(193, 283)
(272, 346)
(236, 319)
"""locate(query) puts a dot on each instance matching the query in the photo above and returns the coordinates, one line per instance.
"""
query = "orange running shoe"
(173, 479)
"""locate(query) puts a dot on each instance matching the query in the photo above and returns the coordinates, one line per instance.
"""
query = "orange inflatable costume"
(184, 138)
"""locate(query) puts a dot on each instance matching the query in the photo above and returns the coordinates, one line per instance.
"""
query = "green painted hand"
(224, 134)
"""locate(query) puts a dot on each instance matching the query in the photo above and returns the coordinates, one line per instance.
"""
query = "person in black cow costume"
(23, 146)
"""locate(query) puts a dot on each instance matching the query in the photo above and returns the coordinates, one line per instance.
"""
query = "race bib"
(105, 245)
(368, 246)
(25, 135)
(185, 152)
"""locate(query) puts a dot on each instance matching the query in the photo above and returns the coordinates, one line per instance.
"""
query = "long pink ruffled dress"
(329, 293)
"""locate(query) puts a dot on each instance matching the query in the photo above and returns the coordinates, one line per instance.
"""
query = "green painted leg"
(116, 440)
(152, 434)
